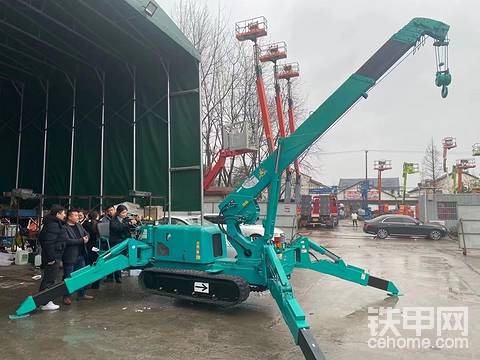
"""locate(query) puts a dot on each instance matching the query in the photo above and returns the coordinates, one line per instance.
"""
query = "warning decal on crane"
(251, 182)
(201, 287)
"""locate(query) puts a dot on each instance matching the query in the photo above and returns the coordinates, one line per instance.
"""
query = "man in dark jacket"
(91, 226)
(75, 254)
(52, 240)
(109, 214)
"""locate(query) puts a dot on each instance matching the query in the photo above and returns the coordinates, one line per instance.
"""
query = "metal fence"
(469, 227)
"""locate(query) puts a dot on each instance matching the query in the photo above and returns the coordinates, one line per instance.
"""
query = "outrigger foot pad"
(383, 284)
(16, 317)
(309, 345)
(33, 302)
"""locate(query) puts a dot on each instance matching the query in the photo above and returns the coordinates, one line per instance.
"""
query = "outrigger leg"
(281, 290)
(291, 310)
(129, 253)
(336, 266)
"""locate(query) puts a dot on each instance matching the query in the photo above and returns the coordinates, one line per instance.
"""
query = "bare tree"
(228, 91)
(432, 164)
(212, 38)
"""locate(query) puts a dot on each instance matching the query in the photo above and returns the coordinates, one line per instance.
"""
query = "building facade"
(445, 184)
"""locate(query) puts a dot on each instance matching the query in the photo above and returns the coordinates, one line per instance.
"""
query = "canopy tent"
(99, 98)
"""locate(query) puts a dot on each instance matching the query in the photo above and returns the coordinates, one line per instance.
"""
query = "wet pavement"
(123, 322)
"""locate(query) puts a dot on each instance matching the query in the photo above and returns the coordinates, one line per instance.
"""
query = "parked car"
(386, 225)
(254, 231)
(185, 220)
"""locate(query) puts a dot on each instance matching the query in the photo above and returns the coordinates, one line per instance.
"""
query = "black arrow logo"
(201, 287)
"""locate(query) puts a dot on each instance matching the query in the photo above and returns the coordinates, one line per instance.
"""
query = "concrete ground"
(125, 323)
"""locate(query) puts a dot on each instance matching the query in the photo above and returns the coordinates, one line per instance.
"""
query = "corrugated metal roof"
(161, 20)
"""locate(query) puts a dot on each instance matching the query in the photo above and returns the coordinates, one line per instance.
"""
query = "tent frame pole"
(102, 141)
(134, 100)
(45, 139)
(21, 92)
(72, 144)
(169, 142)
(201, 145)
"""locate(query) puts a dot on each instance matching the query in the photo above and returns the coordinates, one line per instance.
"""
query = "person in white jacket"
(355, 219)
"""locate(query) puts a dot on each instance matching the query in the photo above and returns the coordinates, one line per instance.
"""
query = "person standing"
(107, 217)
(91, 226)
(82, 216)
(109, 214)
(355, 219)
(52, 239)
(75, 254)
(120, 227)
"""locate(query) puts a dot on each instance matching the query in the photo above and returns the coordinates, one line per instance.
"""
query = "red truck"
(319, 210)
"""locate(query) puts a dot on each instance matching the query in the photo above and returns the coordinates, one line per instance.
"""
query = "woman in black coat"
(120, 229)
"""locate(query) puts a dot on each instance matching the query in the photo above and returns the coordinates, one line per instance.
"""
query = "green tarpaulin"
(121, 64)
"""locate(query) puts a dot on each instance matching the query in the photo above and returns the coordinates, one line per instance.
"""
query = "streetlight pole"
(366, 165)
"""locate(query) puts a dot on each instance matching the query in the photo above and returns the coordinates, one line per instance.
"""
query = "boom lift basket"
(465, 163)
(449, 142)
(476, 149)
(238, 137)
(251, 29)
(273, 52)
(288, 71)
(410, 168)
(382, 165)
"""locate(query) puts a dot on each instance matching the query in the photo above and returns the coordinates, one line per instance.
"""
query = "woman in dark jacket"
(120, 227)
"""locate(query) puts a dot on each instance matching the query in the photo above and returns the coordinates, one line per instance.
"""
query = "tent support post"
(169, 149)
(72, 146)
(134, 100)
(21, 92)
(201, 146)
(102, 141)
(45, 138)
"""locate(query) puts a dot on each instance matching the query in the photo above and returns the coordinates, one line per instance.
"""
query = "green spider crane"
(190, 262)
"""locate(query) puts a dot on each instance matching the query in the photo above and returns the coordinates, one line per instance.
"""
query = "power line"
(383, 151)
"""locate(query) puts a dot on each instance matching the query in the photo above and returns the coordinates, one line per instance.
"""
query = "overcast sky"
(331, 40)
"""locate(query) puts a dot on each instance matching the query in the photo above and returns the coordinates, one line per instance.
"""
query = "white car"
(255, 231)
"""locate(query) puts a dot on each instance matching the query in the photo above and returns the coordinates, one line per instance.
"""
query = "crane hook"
(444, 91)
(443, 78)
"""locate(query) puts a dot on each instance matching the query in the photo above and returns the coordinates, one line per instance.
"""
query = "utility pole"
(366, 165)
(365, 187)
(434, 176)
